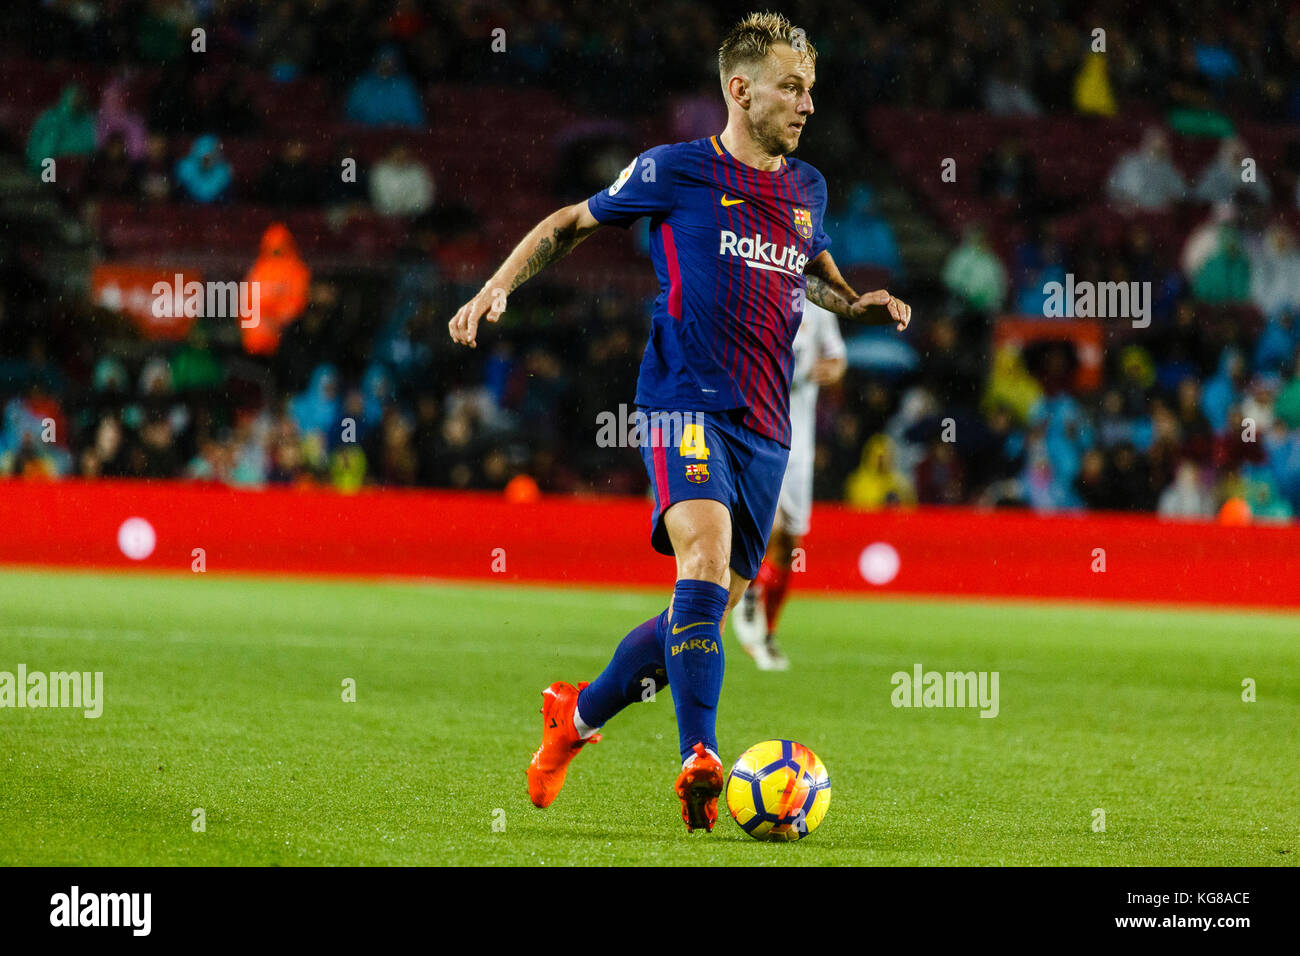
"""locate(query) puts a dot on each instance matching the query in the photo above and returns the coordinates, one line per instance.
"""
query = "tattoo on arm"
(819, 292)
(549, 249)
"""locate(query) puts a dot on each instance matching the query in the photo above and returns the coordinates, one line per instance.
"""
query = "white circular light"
(136, 538)
(878, 564)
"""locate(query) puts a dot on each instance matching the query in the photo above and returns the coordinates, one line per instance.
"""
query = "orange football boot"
(560, 743)
(698, 785)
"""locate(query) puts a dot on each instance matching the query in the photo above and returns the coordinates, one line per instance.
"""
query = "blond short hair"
(750, 40)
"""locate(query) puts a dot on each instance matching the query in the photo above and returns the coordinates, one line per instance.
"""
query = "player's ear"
(738, 87)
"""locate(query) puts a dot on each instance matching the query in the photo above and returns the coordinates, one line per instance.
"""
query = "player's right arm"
(644, 188)
(549, 241)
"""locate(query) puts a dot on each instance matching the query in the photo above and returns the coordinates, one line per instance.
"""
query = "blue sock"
(639, 656)
(693, 659)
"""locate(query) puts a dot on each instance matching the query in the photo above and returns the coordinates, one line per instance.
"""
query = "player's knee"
(706, 560)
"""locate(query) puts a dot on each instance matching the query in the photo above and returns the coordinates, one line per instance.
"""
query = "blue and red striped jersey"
(729, 244)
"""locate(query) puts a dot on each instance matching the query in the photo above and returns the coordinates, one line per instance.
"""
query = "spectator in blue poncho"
(317, 408)
(1067, 434)
(1277, 342)
(1045, 489)
(377, 393)
(1282, 447)
(204, 175)
(386, 96)
(1224, 388)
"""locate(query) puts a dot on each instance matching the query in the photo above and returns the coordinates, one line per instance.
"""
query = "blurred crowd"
(129, 156)
(1196, 416)
(1201, 409)
(1197, 63)
(400, 408)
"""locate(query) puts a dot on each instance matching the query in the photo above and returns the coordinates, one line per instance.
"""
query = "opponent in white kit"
(818, 360)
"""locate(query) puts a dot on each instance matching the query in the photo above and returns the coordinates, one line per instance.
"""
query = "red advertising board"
(933, 551)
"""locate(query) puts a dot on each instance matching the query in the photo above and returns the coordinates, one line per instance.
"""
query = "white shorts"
(794, 506)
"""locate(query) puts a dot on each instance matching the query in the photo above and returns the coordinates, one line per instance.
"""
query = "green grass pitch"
(226, 694)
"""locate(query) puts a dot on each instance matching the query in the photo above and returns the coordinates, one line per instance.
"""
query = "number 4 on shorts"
(693, 445)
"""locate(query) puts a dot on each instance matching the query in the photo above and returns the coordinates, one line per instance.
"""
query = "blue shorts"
(711, 455)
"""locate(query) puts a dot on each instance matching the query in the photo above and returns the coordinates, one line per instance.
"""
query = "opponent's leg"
(761, 603)
(775, 573)
(737, 589)
(789, 523)
(774, 579)
(750, 621)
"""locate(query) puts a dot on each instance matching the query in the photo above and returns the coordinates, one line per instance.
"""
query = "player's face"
(782, 100)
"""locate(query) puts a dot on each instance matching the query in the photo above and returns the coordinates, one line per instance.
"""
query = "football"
(778, 790)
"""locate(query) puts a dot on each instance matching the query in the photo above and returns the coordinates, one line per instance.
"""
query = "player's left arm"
(827, 288)
(832, 356)
(828, 370)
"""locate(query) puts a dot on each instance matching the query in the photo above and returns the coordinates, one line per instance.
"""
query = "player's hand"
(899, 311)
(859, 308)
(488, 304)
(827, 371)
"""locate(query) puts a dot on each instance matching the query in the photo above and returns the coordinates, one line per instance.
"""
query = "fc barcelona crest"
(802, 221)
(698, 473)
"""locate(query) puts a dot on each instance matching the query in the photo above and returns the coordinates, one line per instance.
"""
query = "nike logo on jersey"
(730, 202)
(678, 630)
